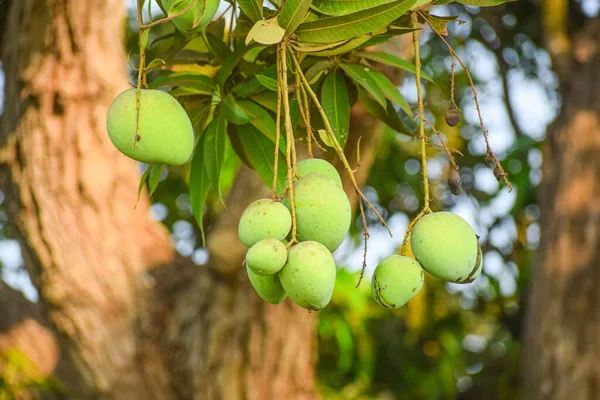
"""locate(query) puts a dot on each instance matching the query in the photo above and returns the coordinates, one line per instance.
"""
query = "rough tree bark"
(136, 320)
(563, 318)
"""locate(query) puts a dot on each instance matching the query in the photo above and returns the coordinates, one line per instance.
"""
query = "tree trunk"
(136, 321)
(563, 318)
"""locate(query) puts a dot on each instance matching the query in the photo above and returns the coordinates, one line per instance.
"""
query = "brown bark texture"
(562, 345)
(135, 320)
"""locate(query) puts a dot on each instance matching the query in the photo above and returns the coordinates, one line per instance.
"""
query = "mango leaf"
(214, 150)
(317, 68)
(200, 83)
(263, 121)
(177, 7)
(143, 180)
(253, 9)
(145, 36)
(261, 153)
(325, 138)
(316, 78)
(387, 115)
(348, 26)
(484, 3)
(155, 63)
(344, 7)
(232, 111)
(440, 23)
(292, 14)
(390, 91)
(199, 186)
(229, 64)
(311, 47)
(266, 31)
(268, 100)
(361, 76)
(344, 48)
(267, 82)
(336, 104)
(217, 47)
(252, 86)
(154, 177)
(392, 60)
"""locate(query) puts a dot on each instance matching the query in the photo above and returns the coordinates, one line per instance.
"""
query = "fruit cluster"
(305, 271)
(444, 245)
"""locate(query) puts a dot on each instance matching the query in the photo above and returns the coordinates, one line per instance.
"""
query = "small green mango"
(447, 247)
(165, 132)
(397, 279)
(185, 22)
(308, 276)
(322, 210)
(268, 287)
(266, 257)
(263, 219)
(310, 165)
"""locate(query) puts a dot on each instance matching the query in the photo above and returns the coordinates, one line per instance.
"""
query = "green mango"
(263, 219)
(322, 210)
(268, 287)
(397, 279)
(310, 165)
(165, 132)
(447, 247)
(308, 276)
(266, 257)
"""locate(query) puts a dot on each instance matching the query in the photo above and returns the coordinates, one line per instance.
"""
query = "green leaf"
(268, 100)
(317, 68)
(344, 7)
(336, 104)
(154, 177)
(145, 36)
(316, 78)
(392, 60)
(263, 121)
(261, 153)
(344, 48)
(202, 84)
(199, 186)
(484, 3)
(252, 8)
(177, 7)
(252, 86)
(325, 138)
(229, 64)
(267, 82)
(214, 150)
(360, 75)
(155, 63)
(143, 180)
(312, 48)
(266, 31)
(293, 13)
(440, 23)
(349, 26)
(233, 112)
(390, 91)
(217, 47)
(387, 115)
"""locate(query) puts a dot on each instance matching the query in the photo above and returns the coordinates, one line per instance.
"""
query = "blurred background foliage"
(451, 341)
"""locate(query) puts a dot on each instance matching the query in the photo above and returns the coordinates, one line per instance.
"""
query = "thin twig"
(277, 131)
(444, 146)
(303, 113)
(365, 240)
(489, 150)
(141, 74)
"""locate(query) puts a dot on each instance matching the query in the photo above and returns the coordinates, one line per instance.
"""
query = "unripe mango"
(268, 287)
(165, 134)
(310, 165)
(263, 219)
(322, 210)
(266, 257)
(447, 247)
(308, 276)
(185, 22)
(397, 279)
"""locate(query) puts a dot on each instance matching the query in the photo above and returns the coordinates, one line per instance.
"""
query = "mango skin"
(185, 22)
(310, 165)
(266, 257)
(447, 247)
(308, 276)
(165, 130)
(268, 287)
(263, 219)
(322, 210)
(397, 279)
